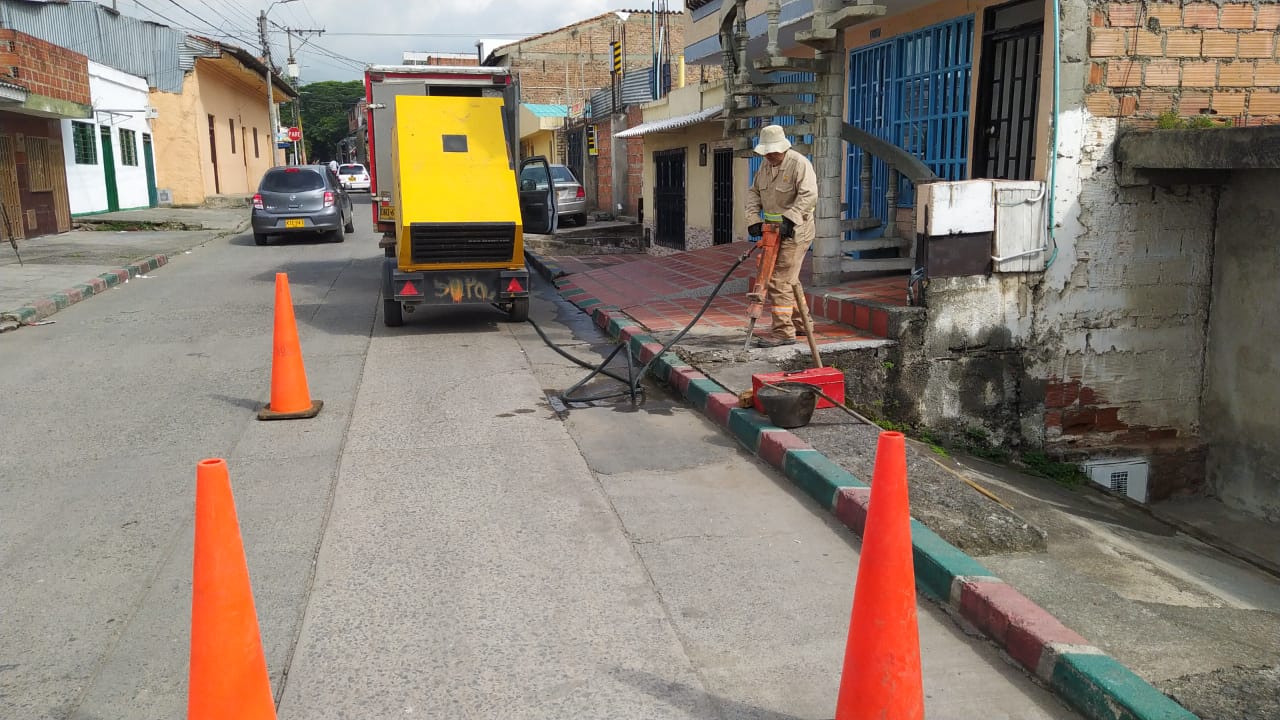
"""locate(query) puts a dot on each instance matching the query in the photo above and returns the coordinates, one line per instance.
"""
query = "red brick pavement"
(646, 288)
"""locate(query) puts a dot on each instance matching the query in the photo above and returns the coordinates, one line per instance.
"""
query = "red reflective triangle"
(409, 289)
(514, 285)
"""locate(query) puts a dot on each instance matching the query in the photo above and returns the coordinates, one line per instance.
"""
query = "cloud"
(435, 26)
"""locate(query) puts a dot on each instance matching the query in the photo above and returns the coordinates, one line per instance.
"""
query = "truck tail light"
(580, 194)
(328, 198)
(257, 202)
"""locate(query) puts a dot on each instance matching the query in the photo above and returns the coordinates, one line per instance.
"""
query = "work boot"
(772, 342)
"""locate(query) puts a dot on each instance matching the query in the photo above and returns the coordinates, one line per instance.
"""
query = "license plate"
(352, 178)
(295, 223)
(386, 212)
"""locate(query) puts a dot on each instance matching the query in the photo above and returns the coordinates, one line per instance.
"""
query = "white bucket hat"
(772, 140)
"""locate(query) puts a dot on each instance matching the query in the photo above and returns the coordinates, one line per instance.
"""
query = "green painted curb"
(1106, 690)
(700, 389)
(747, 426)
(814, 473)
(616, 324)
(572, 292)
(938, 562)
(111, 279)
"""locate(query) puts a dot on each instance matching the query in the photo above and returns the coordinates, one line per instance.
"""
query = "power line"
(449, 35)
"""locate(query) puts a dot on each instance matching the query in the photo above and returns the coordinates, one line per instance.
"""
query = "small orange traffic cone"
(228, 669)
(881, 678)
(290, 398)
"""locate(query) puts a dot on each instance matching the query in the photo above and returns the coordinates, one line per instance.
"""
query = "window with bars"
(84, 138)
(255, 142)
(912, 91)
(128, 147)
(231, 128)
(39, 165)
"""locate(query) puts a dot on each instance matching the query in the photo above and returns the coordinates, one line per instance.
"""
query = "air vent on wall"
(1125, 477)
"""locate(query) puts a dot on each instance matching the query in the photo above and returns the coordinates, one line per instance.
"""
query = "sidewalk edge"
(1089, 680)
(42, 307)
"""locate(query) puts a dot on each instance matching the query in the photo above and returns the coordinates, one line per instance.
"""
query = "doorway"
(1009, 78)
(722, 197)
(213, 153)
(109, 169)
(149, 157)
(669, 198)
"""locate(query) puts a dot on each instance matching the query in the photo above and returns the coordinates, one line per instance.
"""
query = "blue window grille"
(912, 91)
(792, 77)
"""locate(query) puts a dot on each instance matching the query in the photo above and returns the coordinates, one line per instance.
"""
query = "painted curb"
(42, 307)
(1088, 679)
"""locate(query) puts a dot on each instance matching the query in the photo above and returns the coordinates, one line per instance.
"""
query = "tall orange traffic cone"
(881, 678)
(228, 669)
(290, 398)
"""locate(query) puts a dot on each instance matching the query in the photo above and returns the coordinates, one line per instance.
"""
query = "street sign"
(295, 134)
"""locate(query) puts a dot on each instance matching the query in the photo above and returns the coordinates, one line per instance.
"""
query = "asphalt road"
(437, 543)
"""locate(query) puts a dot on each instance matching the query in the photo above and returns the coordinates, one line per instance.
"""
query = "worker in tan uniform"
(785, 185)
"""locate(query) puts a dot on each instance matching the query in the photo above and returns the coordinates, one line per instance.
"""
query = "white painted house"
(109, 157)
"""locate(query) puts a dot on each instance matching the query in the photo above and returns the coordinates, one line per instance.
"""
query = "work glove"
(788, 229)
(755, 231)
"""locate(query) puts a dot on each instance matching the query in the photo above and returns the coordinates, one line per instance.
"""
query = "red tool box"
(827, 379)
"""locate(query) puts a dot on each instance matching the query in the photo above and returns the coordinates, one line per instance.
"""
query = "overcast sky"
(372, 31)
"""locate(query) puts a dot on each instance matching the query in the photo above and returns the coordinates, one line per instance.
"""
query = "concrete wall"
(1240, 416)
(178, 143)
(220, 87)
(86, 184)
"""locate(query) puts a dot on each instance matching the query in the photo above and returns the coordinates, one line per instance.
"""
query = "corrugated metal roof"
(550, 111)
(150, 50)
(671, 123)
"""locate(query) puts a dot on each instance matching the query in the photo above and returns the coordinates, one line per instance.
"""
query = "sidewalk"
(57, 271)
(1088, 582)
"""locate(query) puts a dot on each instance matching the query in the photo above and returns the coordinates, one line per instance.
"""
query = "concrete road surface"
(437, 543)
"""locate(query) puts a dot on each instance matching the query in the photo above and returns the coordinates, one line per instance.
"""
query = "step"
(768, 111)
(794, 130)
(820, 39)
(859, 224)
(786, 64)
(880, 243)
(849, 265)
(776, 89)
(851, 15)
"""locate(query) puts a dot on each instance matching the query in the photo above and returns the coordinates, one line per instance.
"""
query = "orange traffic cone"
(881, 677)
(290, 398)
(228, 670)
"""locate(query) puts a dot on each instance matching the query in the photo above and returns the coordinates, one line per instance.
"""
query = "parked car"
(354, 176)
(301, 199)
(571, 201)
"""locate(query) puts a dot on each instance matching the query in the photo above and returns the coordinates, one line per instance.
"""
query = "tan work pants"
(786, 276)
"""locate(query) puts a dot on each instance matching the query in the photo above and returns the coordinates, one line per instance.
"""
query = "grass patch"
(1171, 120)
(1065, 474)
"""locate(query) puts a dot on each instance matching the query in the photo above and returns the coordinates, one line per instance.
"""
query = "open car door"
(537, 197)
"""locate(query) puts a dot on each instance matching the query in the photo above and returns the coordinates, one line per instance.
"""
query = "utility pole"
(271, 96)
(301, 143)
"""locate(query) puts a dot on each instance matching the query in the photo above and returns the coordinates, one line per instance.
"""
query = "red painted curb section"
(683, 375)
(1010, 618)
(851, 508)
(774, 445)
(719, 405)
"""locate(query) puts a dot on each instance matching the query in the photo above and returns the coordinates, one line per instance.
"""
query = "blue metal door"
(912, 91)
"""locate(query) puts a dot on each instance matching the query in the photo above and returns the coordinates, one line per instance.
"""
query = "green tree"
(324, 115)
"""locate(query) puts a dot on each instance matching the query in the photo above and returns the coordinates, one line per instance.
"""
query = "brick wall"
(569, 64)
(44, 68)
(1150, 58)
